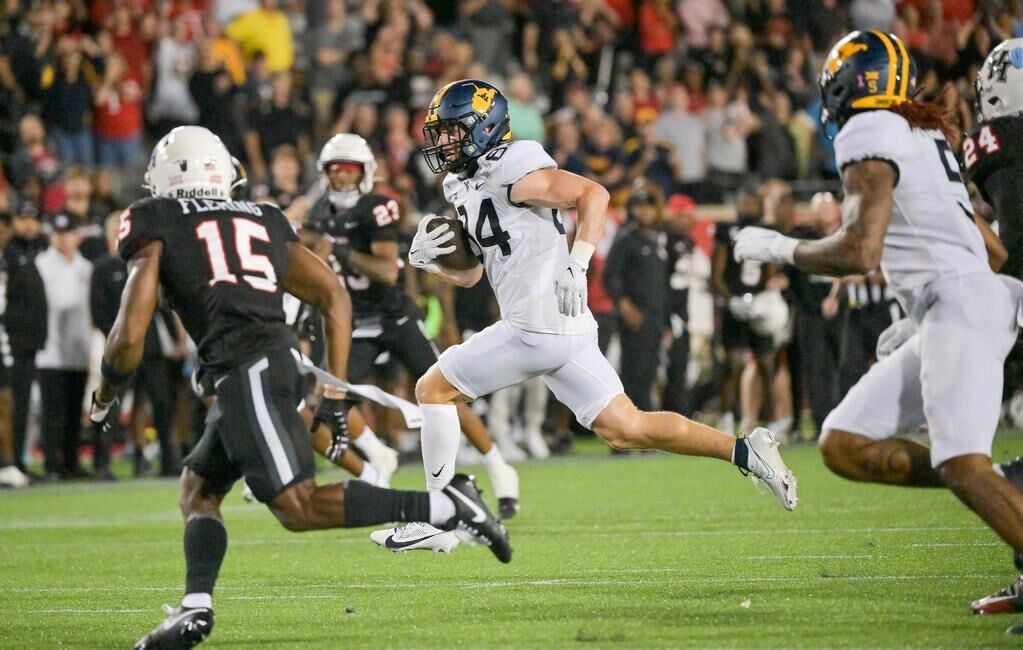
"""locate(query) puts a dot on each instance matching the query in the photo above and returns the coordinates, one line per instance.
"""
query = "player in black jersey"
(224, 265)
(357, 231)
(737, 283)
(993, 157)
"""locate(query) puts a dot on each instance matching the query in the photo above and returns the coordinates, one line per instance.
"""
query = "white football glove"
(764, 245)
(570, 289)
(741, 307)
(894, 336)
(428, 246)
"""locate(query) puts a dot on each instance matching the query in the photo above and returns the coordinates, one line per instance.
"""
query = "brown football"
(462, 258)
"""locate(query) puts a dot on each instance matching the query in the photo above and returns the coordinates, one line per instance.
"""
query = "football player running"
(993, 156)
(508, 196)
(356, 230)
(907, 209)
(225, 265)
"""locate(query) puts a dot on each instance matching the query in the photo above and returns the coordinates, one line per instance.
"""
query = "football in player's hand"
(462, 258)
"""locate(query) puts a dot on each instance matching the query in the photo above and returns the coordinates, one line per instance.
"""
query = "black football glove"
(334, 414)
(103, 415)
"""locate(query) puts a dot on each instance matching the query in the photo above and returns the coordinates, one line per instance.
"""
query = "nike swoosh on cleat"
(478, 515)
(438, 471)
(395, 545)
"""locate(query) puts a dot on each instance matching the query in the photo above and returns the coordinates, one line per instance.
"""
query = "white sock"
(370, 473)
(442, 508)
(367, 442)
(191, 601)
(441, 436)
(494, 457)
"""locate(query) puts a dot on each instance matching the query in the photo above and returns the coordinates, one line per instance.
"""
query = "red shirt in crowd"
(120, 117)
(656, 29)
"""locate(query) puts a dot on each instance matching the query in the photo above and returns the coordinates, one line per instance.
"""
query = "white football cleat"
(13, 477)
(766, 466)
(416, 536)
(505, 480)
(536, 445)
(511, 452)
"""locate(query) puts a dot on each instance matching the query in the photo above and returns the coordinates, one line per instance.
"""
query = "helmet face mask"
(465, 120)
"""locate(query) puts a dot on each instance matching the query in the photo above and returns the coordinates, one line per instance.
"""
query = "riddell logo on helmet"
(198, 193)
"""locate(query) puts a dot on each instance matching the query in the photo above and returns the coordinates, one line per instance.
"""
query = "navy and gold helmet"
(864, 71)
(465, 120)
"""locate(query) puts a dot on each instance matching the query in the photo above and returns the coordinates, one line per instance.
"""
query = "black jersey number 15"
(262, 276)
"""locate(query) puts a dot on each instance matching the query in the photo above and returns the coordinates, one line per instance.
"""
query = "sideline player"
(993, 156)
(356, 229)
(508, 195)
(906, 208)
(225, 265)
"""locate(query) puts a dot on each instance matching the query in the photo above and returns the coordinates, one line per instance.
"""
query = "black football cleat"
(182, 629)
(1005, 601)
(473, 517)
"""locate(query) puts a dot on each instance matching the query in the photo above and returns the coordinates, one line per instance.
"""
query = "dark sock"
(205, 547)
(1017, 558)
(740, 454)
(367, 504)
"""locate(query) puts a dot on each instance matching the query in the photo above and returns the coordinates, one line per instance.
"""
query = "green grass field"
(638, 552)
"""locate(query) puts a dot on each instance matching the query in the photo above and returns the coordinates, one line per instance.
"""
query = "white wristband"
(582, 251)
(785, 249)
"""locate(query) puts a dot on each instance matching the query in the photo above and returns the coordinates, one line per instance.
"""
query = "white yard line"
(385, 585)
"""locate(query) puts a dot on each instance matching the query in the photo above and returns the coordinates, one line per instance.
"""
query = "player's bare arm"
(555, 188)
(855, 248)
(309, 279)
(717, 276)
(128, 336)
(379, 266)
(997, 254)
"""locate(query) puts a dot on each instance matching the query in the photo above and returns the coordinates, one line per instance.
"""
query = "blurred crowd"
(689, 111)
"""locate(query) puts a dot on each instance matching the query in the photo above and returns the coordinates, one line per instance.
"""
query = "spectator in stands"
(67, 107)
(636, 278)
(603, 158)
(566, 67)
(33, 158)
(659, 27)
(526, 118)
(699, 19)
(129, 39)
(490, 26)
(25, 317)
(88, 219)
(265, 29)
(729, 124)
(645, 105)
(282, 120)
(567, 147)
(331, 45)
(176, 56)
(63, 364)
(686, 134)
(776, 148)
(118, 116)
(218, 98)
(285, 185)
(653, 160)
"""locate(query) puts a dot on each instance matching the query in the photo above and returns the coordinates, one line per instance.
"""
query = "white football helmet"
(191, 161)
(769, 316)
(349, 147)
(999, 83)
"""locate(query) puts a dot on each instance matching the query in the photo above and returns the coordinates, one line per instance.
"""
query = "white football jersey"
(524, 248)
(932, 233)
